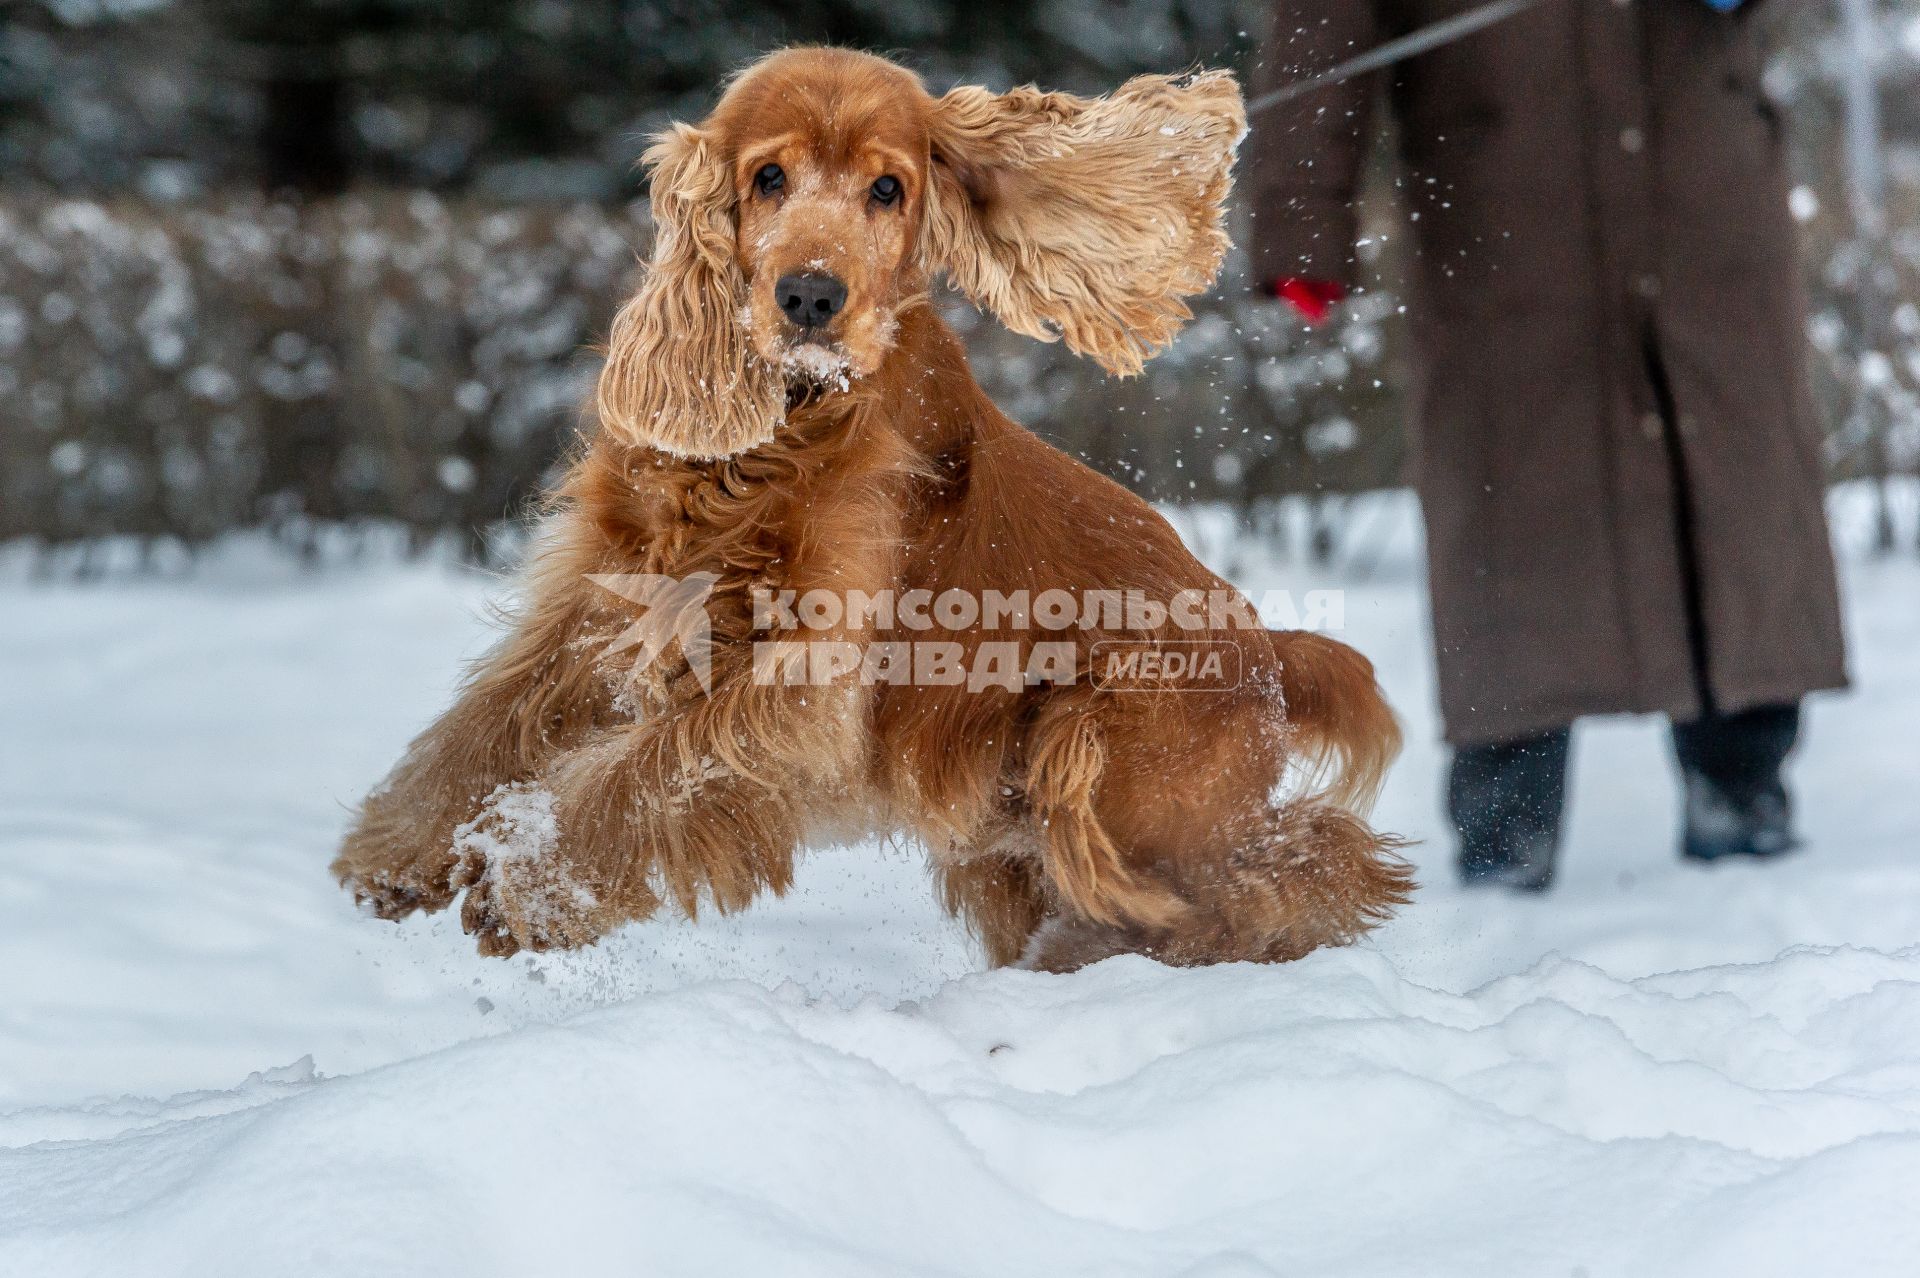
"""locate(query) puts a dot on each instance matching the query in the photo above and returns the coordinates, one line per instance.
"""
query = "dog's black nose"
(810, 300)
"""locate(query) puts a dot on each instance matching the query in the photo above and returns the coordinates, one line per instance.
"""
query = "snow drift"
(210, 1065)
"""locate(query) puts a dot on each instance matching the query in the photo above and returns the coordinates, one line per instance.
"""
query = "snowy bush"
(178, 373)
(183, 373)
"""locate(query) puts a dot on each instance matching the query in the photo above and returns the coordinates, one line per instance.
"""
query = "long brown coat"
(1613, 400)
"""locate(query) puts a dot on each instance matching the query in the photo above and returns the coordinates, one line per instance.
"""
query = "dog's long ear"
(681, 372)
(1086, 219)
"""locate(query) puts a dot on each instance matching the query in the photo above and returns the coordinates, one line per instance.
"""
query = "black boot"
(1506, 801)
(1736, 801)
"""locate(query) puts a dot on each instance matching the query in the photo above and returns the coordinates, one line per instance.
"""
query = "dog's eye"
(769, 179)
(886, 190)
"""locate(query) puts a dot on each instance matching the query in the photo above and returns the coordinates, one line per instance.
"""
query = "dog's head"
(796, 222)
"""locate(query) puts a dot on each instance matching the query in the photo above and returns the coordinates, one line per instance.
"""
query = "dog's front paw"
(522, 894)
(509, 909)
(393, 895)
(390, 881)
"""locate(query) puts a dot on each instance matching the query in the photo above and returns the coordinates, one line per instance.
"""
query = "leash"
(1445, 31)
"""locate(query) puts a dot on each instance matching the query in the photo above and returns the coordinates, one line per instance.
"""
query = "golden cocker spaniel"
(804, 580)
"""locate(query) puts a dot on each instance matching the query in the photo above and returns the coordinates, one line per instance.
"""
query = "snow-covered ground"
(210, 1064)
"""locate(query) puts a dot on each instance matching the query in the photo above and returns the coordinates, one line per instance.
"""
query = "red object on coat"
(1314, 299)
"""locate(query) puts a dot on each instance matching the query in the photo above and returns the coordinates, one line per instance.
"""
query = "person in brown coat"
(1616, 450)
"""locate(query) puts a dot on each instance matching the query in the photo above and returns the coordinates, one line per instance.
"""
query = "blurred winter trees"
(307, 263)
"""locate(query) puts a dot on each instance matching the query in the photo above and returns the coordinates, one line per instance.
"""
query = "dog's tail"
(1345, 736)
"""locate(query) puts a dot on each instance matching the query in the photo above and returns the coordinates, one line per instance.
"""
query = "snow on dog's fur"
(1067, 819)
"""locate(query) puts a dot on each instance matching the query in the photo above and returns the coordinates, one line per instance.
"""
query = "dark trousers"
(1506, 799)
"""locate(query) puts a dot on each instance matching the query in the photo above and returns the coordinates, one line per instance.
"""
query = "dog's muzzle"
(809, 300)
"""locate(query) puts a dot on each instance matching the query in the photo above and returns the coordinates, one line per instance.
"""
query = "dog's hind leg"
(537, 692)
(1310, 875)
(1166, 836)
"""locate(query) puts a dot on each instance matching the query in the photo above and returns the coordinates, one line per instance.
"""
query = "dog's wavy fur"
(571, 789)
